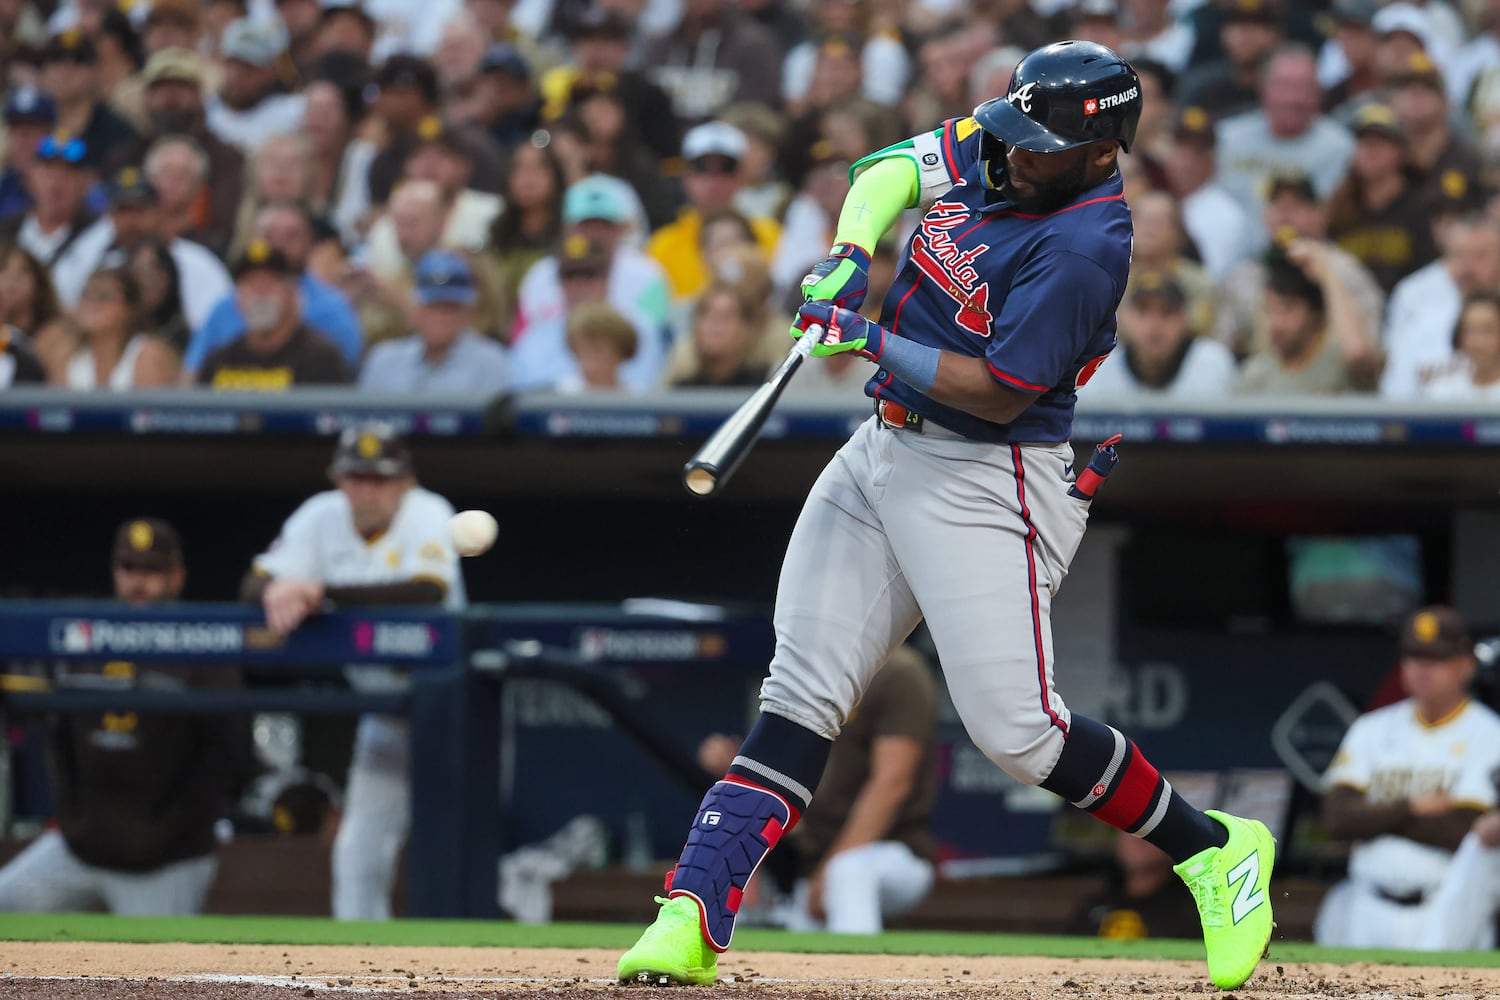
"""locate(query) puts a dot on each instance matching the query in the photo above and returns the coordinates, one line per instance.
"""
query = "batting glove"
(843, 278)
(846, 330)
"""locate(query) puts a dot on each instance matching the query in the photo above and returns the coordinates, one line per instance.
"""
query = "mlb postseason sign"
(107, 637)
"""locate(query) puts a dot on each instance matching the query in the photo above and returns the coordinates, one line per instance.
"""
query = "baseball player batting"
(957, 502)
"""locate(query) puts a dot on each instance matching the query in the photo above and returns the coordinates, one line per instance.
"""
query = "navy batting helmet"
(1065, 95)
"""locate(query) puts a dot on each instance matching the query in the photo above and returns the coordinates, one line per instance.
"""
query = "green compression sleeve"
(876, 199)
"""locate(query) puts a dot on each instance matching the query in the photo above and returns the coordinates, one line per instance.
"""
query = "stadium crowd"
(582, 195)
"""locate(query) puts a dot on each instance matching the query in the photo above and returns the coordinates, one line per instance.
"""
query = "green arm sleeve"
(876, 199)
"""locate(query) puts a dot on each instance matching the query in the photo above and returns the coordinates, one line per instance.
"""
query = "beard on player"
(1040, 196)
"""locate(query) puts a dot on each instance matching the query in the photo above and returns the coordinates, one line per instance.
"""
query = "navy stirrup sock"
(743, 816)
(1104, 773)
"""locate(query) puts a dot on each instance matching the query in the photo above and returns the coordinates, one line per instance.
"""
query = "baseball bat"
(712, 465)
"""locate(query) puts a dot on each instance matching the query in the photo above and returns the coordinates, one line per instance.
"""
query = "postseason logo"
(118, 638)
(1094, 105)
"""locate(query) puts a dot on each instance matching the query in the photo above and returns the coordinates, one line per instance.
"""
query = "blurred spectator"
(70, 75)
(1347, 68)
(276, 351)
(134, 220)
(174, 104)
(120, 60)
(443, 156)
(1405, 30)
(1216, 223)
(810, 219)
(408, 107)
(763, 192)
(602, 341)
(157, 273)
(29, 116)
(1156, 34)
(713, 152)
(172, 24)
(444, 354)
(941, 89)
(1161, 245)
(1467, 76)
(1318, 342)
(286, 228)
(1375, 214)
(461, 47)
(782, 18)
(1406, 786)
(863, 853)
(615, 150)
(721, 347)
(1292, 211)
(1425, 307)
(715, 56)
(1447, 168)
(178, 169)
(1287, 133)
(137, 794)
(340, 160)
(528, 227)
(1158, 354)
(345, 26)
(253, 103)
(29, 304)
(280, 170)
(301, 19)
(377, 538)
(991, 75)
(1153, 133)
(505, 103)
(113, 352)
(540, 358)
(865, 50)
(1250, 31)
(1098, 21)
(599, 38)
(59, 181)
(1474, 372)
(595, 209)
(18, 364)
(1143, 900)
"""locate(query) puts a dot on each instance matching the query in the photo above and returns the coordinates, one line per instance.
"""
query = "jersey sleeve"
(1054, 319)
(1474, 786)
(1351, 765)
(427, 551)
(294, 553)
(940, 156)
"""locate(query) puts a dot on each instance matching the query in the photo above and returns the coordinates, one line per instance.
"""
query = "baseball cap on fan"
(252, 42)
(443, 276)
(1436, 633)
(147, 543)
(714, 139)
(594, 197)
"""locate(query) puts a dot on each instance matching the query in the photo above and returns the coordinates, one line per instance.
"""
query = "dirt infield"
(65, 971)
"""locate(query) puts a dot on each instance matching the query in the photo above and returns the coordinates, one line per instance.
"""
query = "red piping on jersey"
(949, 153)
(896, 318)
(1013, 380)
(1060, 211)
(1036, 604)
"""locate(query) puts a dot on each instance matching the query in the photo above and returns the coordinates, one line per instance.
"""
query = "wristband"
(913, 363)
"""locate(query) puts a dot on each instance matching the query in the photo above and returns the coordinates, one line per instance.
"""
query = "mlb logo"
(72, 636)
(1091, 106)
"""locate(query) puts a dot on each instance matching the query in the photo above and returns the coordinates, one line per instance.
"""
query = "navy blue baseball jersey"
(1034, 295)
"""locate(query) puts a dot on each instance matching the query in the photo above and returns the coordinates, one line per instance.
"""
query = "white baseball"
(473, 531)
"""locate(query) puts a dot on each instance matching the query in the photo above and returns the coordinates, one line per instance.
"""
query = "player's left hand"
(842, 278)
(846, 330)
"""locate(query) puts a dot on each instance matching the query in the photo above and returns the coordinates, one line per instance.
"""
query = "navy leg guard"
(737, 825)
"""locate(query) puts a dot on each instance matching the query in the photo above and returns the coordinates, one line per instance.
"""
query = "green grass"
(473, 933)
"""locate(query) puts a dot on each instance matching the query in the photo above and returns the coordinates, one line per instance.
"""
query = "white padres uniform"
(1391, 754)
(319, 542)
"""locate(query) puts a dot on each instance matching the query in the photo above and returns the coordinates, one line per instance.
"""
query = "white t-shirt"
(81, 374)
(1419, 323)
(247, 129)
(1458, 384)
(1391, 754)
(202, 279)
(1247, 152)
(1208, 370)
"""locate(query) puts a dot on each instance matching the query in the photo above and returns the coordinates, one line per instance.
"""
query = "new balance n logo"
(1247, 897)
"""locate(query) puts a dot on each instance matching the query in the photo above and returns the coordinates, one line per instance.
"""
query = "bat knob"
(700, 481)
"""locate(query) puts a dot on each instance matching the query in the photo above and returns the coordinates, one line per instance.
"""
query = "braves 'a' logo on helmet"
(1021, 97)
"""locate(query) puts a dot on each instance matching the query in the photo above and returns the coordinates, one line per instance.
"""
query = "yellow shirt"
(675, 247)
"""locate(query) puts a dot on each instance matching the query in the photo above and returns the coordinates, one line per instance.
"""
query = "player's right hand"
(842, 278)
(288, 601)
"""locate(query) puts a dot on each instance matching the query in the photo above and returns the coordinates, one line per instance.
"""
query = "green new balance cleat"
(1231, 887)
(673, 951)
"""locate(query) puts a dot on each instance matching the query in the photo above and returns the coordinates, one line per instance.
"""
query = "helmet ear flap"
(992, 150)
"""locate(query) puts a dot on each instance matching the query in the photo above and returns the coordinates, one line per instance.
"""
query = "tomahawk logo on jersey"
(1035, 296)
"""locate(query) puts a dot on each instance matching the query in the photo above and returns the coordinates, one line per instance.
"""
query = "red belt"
(898, 417)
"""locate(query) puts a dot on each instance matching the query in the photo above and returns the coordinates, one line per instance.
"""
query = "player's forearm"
(872, 816)
(1348, 816)
(875, 201)
(1446, 830)
(965, 383)
(403, 592)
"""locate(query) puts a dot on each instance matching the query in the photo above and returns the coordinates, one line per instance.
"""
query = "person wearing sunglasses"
(713, 152)
(59, 180)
